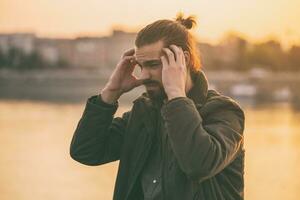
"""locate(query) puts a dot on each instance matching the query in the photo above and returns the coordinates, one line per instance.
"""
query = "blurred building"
(99, 52)
(21, 41)
(119, 42)
(89, 52)
(85, 52)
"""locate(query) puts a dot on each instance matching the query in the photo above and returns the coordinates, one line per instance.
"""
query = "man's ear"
(187, 57)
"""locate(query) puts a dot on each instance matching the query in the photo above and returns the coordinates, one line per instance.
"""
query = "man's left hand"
(174, 72)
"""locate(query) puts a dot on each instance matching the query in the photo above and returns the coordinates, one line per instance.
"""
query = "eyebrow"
(149, 62)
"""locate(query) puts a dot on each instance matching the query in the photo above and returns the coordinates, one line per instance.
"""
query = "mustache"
(149, 81)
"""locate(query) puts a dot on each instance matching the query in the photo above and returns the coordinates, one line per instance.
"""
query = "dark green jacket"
(204, 155)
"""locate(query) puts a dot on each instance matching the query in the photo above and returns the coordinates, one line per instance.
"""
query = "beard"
(155, 90)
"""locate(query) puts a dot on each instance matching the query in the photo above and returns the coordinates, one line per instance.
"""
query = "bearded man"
(180, 140)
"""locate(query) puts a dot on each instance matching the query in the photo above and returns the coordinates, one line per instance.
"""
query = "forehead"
(149, 51)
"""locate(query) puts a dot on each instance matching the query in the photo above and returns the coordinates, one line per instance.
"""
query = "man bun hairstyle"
(188, 23)
(172, 32)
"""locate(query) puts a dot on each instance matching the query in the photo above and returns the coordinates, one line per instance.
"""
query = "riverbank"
(75, 86)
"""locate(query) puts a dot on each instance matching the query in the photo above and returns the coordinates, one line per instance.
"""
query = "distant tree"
(33, 61)
(3, 59)
(241, 57)
(61, 63)
(14, 58)
(294, 58)
(231, 52)
(17, 59)
(269, 55)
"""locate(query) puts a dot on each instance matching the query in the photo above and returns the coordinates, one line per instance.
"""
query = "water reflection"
(35, 161)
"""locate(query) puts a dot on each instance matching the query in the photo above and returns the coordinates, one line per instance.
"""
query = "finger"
(170, 57)
(126, 61)
(129, 52)
(164, 61)
(183, 60)
(182, 56)
(131, 65)
(177, 52)
(128, 58)
(133, 61)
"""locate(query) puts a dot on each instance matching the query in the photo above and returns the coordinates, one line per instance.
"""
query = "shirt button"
(154, 181)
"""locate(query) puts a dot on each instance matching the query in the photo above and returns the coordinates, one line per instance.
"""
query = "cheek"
(158, 74)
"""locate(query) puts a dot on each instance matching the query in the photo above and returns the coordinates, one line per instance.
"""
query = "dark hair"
(172, 32)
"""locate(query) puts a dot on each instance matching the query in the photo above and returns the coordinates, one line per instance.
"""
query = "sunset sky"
(256, 19)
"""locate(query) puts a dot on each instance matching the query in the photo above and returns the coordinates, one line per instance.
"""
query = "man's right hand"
(122, 79)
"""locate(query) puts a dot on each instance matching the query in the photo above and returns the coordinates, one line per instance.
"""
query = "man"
(179, 140)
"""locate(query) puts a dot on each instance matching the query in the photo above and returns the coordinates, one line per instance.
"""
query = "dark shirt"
(151, 174)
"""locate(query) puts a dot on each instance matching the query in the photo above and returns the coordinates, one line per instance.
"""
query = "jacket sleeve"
(98, 136)
(203, 149)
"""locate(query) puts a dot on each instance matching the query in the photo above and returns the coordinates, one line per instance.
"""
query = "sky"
(257, 20)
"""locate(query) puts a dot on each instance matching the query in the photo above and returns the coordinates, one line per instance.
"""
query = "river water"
(35, 161)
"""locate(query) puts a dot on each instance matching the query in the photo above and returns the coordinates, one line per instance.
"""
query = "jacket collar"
(198, 93)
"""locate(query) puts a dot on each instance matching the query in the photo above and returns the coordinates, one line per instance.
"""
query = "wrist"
(176, 95)
(109, 96)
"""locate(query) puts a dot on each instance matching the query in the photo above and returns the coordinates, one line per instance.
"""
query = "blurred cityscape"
(58, 69)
